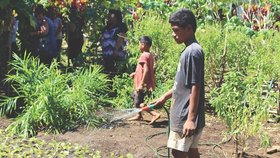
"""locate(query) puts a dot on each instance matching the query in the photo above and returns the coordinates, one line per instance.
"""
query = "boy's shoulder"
(194, 49)
(195, 46)
(147, 54)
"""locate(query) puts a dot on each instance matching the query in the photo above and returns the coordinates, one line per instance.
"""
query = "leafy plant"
(18, 146)
(123, 88)
(53, 101)
(213, 52)
(265, 54)
(240, 103)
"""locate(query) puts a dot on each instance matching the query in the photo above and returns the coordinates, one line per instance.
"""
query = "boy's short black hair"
(147, 40)
(183, 18)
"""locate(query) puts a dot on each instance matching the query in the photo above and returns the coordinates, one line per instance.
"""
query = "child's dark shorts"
(138, 97)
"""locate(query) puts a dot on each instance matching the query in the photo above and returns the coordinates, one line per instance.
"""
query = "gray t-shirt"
(190, 71)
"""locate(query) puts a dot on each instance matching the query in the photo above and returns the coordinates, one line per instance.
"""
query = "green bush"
(212, 39)
(53, 101)
(265, 55)
(241, 104)
(18, 146)
(242, 101)
(123, 87)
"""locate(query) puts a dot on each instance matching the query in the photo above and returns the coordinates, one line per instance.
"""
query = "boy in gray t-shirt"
(187, 115)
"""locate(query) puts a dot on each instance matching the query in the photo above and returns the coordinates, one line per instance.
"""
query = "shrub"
(53, 101)
(123, 87)
(265, 54)
(241, 104)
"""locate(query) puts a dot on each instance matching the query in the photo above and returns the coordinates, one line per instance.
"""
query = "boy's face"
(180, 34)
(141, 46)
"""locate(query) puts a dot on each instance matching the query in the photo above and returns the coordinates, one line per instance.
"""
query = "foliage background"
(239, 60)
(50, 100)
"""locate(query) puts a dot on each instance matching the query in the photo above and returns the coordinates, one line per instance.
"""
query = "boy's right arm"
(132, 75)
(160, 101)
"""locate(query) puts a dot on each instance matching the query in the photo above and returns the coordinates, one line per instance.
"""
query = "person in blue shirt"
(113, 40)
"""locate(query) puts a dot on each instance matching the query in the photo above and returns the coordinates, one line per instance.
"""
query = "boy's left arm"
(189, 126)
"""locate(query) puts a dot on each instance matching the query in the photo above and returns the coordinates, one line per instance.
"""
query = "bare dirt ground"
(142, 140)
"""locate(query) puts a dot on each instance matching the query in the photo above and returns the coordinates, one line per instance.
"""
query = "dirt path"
(129, 137)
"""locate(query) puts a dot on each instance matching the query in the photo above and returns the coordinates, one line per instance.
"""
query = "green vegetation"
(241, 104)
(241, 56)
(237, 66)
(52, 100)
(18, 146)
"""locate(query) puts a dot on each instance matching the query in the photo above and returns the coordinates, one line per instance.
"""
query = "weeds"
(53, 101)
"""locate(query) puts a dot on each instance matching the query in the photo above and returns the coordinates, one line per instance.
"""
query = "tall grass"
(53, 101)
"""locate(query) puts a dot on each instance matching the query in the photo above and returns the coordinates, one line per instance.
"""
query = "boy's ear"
(189, 28)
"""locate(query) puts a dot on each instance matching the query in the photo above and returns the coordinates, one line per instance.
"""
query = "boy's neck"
(147, 51)
(190, 40)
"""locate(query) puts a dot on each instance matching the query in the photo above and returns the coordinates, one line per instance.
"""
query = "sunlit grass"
(52, 100)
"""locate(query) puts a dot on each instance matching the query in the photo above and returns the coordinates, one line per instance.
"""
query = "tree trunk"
(5, 48)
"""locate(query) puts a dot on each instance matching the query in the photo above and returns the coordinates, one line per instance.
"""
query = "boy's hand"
(159, 102)
(132, 75)
(189, 128)
(142, 105)
(140, 88)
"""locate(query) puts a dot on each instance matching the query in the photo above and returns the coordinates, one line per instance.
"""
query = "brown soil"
(141, 139)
